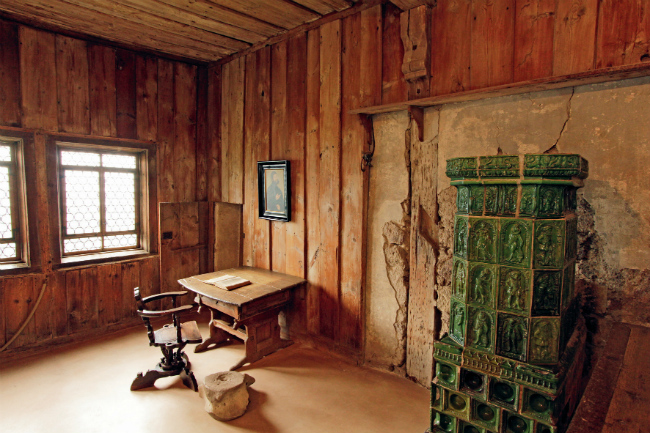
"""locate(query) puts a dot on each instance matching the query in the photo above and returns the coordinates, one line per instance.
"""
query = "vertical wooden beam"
(130, 280)
(38, 84)
(415, 27)
(185, 131)
(166, 132)
(126, 94)
(215, 143)
(330, 175)
(146, 82)
(72, 85)
(451, 36)
(492, 52)
(575, 36)
(202, 143)
(232, 132)
(103, 92)
(279, 151)
(250, 167)
(312, 184)
(623, 33)
(10, 97)
(393, 83)
(534, 24)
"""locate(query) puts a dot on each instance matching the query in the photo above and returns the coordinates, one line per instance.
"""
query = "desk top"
(263, 283)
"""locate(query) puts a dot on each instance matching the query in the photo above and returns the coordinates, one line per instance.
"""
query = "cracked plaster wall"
(606, 123)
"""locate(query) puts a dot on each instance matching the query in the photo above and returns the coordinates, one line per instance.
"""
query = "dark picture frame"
(274, 190)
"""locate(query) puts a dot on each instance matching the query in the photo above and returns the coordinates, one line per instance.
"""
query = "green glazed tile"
(485, 415)
(504, 393)
(476, 196)
(551, 201)
(555, 165)
(537, 405)
(568, 285)
(514, 288)
(482, 284)
(457, 404)
(499, 166)
(436, 397)
(491, 199)
(528, 204)
(507, 200)
(458, 168)
(458, 321)
(515, 423)
(465, 427)
(481, 329)
(514, 242)
(548, 244)
(462, 199)
(444, 423)
(544, 341)
(474, 383)
(459, 279)
(461, 230)
(512, 336)
(483, 239)
(547, 286)
(447, 375)
(541, 428)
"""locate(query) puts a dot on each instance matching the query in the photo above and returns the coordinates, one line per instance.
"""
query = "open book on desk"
(228, 282)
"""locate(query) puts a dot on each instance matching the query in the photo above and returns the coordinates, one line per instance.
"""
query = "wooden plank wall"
(50, 83)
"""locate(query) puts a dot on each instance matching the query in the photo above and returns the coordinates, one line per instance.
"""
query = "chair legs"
(172, 364)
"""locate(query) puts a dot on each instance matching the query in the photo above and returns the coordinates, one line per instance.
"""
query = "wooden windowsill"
(98, 258)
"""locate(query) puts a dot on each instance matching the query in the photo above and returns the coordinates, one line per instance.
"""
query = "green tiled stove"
(513, 359)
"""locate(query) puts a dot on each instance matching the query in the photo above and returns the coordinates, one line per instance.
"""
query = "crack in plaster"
(568, 117)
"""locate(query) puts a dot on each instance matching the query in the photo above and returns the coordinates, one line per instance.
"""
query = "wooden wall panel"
(393, 83)
(202, 134)
(232, 131)
(109, 284)
(146, 81)
(492, 46)
(103, 91)
(312, 184)
(279, 148)
(214, 133)
(130, 274)
(329, 176)
(534, 26)
(451, 24)
(38, 79)
(10, 97)
(126, 94)
(18, 301)
(623, 33)
(185, 132)
(72, 85)
(575, 36)
(166, 132)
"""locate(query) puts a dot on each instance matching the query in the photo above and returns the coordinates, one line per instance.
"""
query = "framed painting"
(274, 190)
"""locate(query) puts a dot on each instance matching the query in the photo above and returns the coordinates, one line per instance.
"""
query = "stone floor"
(85, 388)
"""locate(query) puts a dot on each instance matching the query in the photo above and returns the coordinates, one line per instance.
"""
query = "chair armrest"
(163, 296)
(150, 313)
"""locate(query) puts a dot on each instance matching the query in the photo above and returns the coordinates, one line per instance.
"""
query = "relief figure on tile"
(463, 199)
(514, 290)
(483, 246)
(542, 341)
(546, 291)
(483, 286)
(514, 249)
(528, 201)
(549, 201)
(458, 325)
(461, 238)
(514, 332)
(545, 245)
(460, 276)
(481, 330)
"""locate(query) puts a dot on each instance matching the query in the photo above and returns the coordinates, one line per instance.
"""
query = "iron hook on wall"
(366, 156)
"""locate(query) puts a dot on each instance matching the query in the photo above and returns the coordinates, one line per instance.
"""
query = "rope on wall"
(31, 314)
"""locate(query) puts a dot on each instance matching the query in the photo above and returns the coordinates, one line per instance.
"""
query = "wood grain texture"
(109, 288)
(575, 36)
(312, 184)
(214, 121)
(279, 148)
(202, 131)
(103, 92)
(451, 24)
(72, 85)
(10, 95)
(18, 301)
(232, 131)
(130, 280)
(185, 132)
(393, 84)
(329, 179)
(126, 94)
(250, 167)
(492, 46)
(38, 84)
(166, 132)
(534, 29)
(623, 33)
(146, 82)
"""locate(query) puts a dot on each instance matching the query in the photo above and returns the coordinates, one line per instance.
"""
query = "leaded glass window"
(10, 236)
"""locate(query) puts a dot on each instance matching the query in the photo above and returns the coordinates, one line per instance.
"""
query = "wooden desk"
(249, 313)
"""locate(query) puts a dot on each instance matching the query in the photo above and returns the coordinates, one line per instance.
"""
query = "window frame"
(147, 209)
(18, 198)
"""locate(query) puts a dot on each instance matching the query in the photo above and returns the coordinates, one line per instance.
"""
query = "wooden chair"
(171, 339)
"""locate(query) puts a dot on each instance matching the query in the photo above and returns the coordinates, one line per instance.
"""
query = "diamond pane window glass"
(6, 224)
(5, 153)
(8, 251)
(119, 161)
(82, 202)
(85, 159)
(120, 201)
(100, 199)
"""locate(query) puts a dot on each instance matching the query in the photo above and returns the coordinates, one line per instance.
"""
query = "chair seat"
(167, 334)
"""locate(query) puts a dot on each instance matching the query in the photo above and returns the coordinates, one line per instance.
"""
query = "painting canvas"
(274, 190)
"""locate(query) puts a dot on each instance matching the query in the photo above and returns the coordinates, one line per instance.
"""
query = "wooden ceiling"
(198, 30)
